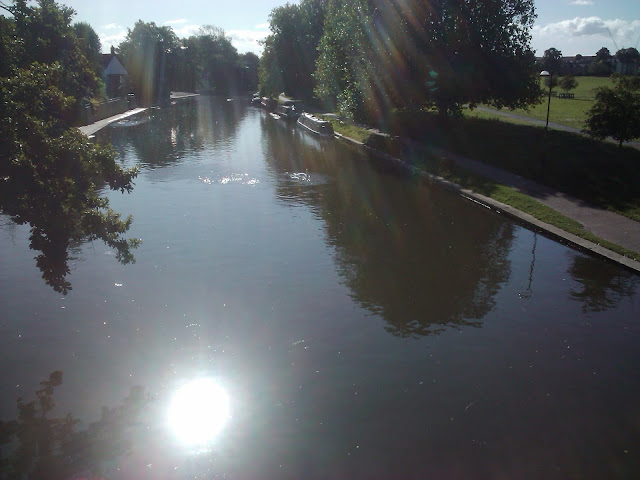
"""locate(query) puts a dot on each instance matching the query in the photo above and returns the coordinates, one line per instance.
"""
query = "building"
(114, 74)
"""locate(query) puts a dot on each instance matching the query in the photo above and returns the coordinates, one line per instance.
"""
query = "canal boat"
(315, 124)
(288, 112)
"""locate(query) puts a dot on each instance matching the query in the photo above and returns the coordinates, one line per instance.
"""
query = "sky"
(571, 26)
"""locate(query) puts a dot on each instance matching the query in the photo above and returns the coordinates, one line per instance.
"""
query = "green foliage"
(150, 55)
(375, 55)
(551, 61)
(49, 171)
(217, 61)
(290, 52)
(629, 60)
(567, 83)
(43, 35)
(616, 112)
(89, 44)
(347, 76)
(603, 55)
(249, 63)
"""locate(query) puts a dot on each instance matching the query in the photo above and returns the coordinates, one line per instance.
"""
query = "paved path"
(603, 223)
(542, 123)
(607, 225)
(100, 124)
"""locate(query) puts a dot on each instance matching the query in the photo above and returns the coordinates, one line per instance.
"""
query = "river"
(324, 316)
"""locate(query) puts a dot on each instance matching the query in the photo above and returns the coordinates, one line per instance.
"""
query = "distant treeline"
(159, 62)
(626, 61)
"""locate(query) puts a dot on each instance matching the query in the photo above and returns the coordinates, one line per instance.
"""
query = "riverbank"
(92, 128)
(567, 219)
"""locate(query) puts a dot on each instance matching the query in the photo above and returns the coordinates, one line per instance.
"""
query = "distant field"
(570, 112)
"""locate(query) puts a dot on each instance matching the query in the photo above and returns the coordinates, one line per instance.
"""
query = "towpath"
(100, 124)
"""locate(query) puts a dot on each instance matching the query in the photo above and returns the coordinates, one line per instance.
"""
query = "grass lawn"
(570, 112)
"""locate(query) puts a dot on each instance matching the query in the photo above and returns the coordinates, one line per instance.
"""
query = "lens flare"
(198, 412)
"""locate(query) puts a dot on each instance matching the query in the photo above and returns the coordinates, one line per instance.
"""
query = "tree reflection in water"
(602, 286)
(168, 136)
(36, 446)
(401, 256)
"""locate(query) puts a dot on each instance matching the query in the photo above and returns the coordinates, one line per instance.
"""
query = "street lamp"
(544, 73)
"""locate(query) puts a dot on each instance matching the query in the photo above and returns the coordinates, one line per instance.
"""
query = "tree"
(567, 83)
(89, 44)
(603, 55)
(43, 35)
(628, 59)
(217, 60)
(290, 52)
(551, 61)
(344, 72)
(616, 111)
(413, 53)
(49, 172)
(249, 63)
(150, 55)
(602, 66)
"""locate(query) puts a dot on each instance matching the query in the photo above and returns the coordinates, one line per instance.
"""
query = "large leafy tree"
(290, 52)
(347, 75)
(89, 43)
(440, 53)
(552, 61)
(629, 58)
(49, 171)
(217, 60)
(616, 111)
(150, 55)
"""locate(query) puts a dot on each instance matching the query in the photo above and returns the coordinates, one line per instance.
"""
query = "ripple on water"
(240, 178)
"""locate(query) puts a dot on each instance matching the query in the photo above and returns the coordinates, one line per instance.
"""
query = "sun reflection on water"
(198, 412)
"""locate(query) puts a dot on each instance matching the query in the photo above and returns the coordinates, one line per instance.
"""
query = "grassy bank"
(570, 112)
(598, 172)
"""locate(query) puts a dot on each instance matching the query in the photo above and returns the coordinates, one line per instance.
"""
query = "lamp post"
(544, 73)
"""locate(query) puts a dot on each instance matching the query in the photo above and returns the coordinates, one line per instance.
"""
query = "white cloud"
(585, 35)
(248, 40)
(109, 39)
(263, 26)
(186, 31)
(581, 2)
(112, 26)
(582, 26)
(179, 21)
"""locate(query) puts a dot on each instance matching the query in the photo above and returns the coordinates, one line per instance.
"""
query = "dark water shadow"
(162, 137)
(40, 446)
(601, 285)
(401, 256)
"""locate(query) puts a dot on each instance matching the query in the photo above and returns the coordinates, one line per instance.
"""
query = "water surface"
(362, 324)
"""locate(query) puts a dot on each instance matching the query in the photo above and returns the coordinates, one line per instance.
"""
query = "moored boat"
(269, 104)
(315, 124)
(288, 112)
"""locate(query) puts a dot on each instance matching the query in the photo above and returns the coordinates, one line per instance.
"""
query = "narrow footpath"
(91, 129)
(607, 225)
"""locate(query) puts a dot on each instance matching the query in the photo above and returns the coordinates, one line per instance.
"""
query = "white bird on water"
(305, 177)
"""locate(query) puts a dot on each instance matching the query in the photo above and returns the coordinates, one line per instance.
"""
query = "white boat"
(315, 124)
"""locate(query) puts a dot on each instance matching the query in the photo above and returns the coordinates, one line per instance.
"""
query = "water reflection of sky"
(297, 300)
